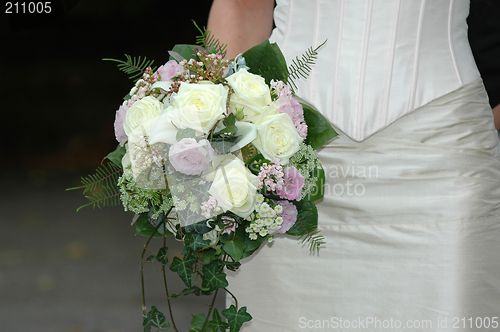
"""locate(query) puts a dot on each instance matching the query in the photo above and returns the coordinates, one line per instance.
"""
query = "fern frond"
(301, 67)
(315, 241)
(102, 186)
(208, 41)
(135, 67)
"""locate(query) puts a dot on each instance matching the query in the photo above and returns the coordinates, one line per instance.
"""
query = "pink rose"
(191, 157)
(120, 135)
(170, 69)
(294, 182)
(289, 216)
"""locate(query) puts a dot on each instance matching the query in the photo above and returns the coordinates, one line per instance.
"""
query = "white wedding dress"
(411, 216)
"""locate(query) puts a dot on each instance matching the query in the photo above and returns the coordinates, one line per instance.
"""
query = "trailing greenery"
(301, 67)
(208, 41)
(101, 187)
(135, 67)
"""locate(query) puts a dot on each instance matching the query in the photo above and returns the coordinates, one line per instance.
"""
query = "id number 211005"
(28, 7)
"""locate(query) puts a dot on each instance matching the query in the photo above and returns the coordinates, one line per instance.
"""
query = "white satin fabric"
(411, 220)
(382, 59)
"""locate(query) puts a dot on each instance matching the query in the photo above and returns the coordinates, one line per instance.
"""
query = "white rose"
(277, 137)
(198, 106)
(250, 93)
(141, 112)
(234, 186)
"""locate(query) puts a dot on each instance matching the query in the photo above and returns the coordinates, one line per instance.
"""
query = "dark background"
(79, 272)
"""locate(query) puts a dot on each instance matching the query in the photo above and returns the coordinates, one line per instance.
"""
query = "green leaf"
(151, 259)
(155, 318)
(212, 277)
(193, 242)
(208, 255)
(230, 128)
(197, 322)
(185, 50)
(135, 67)
(235, 319)
(185, 133)
(308, 217)
(234, 247)
(197, 228)
(233, 266)
(196, 290)
(251, 245)
(319, 130)
(116, 156)
(184, 268)
(143, 227)
(162, 256)
(267, 61)
(319, 190)
(216, 323)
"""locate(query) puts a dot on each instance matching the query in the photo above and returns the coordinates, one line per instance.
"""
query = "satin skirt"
(411, 220)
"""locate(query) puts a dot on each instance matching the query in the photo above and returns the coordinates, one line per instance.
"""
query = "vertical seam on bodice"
(388, 80)
(411, 104)
(361, 83)
(450, 43)
(315, 44)
(335, 99)
(286, 34)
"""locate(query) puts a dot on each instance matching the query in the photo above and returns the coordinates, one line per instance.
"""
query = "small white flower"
(252, 236)
(260, 199)
(268, 221)
(279, 220)
(249, 230)
(278, 208)
(263, 232)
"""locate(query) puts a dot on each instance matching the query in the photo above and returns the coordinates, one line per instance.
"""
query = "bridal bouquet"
(219, 154)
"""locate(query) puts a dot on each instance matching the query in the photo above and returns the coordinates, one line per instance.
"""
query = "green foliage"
(143, 227)
(182, 51)
(267, 61)
(319, 130)
(213, 278)
(101, 187)
(209, 42)
(306, 226)
(116, 156)
(135, 67)
(197, 323)
(319, 190)
(155, 318)
(234, 247)
(236, 318)
(184, 268)
(216, 323)
(301, 67)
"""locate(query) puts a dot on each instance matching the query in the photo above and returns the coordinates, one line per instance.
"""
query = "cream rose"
(234, 186)
(277, 137)
(198, 106)
(140, 112)
(251, 93)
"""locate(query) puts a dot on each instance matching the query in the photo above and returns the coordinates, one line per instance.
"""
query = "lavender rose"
(191, 157)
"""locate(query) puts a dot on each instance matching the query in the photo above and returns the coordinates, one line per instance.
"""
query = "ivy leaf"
(319, 130)
(144, 227)
(184, 268)
(235, 319)
(196, 290)
(213, 278)
(185, 133)
(216, 323)
(197, 322)
(230, 128)
(193, 242)
(308, 217)
(232, 266)
(197, 228)
(161, 256)
(234, 247)
(155, 318)
(151, 259)
(208, 255)
(117, 155)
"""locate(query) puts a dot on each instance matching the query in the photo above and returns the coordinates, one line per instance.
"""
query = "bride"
(411, 214)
